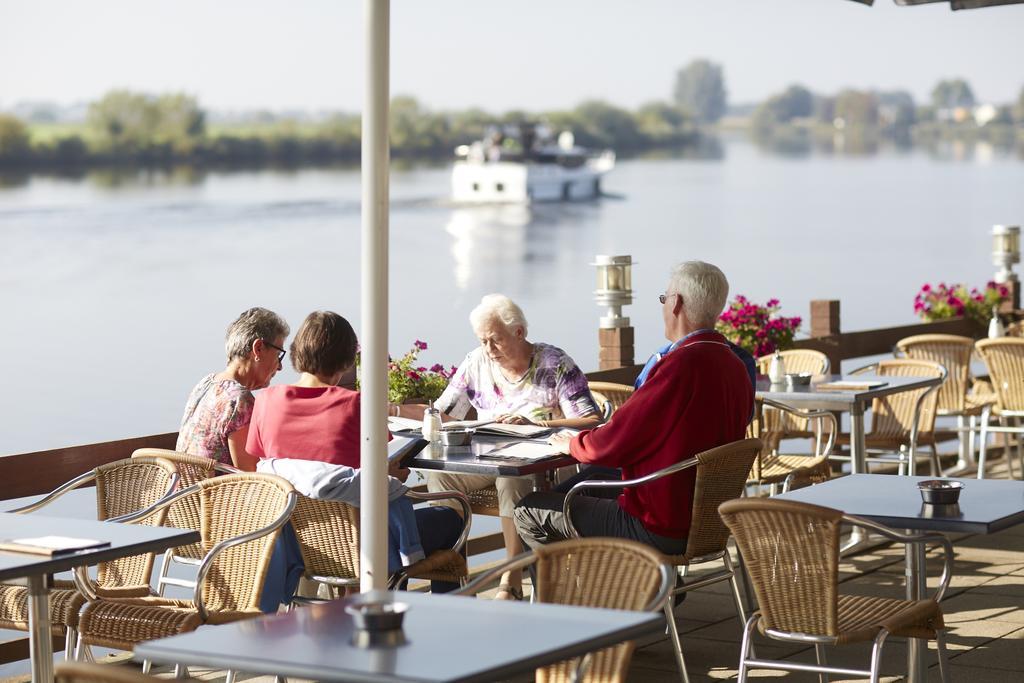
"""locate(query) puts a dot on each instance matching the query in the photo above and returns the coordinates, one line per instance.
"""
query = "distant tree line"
(128, 127)
(952, 101)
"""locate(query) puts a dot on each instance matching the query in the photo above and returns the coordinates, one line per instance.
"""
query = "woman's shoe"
(507, 591)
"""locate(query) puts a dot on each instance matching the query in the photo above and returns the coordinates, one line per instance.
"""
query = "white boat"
(530, 169)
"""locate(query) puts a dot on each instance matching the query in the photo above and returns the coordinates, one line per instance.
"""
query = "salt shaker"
(995, 325)
(432, 423)
(777, 369)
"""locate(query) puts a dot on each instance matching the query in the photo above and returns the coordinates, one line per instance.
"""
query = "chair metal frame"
(822, 452)
(729, 571)
(819, 641)
(907, 456)
(82, 581)
(170, 557)
(524, 560)
(1004, 415)
(334, 582)
(82, 650)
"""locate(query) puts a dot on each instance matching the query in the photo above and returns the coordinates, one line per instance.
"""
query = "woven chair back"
(610, 393)
(893, 415)
(1005, 360)
(1015, 329)
(775, 425)
(951, 352)
(721, 476)
(233, 505)
(597, 572)
(791, 552)
(183, 513)
(328, 534)
(123, 487)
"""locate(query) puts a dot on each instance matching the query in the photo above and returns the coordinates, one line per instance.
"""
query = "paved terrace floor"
(984, 611)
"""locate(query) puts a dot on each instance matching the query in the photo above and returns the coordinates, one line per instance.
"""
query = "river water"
(115, 290)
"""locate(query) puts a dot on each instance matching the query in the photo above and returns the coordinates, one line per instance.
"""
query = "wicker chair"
(1015, 329)
(191, 469)
(791, 551)
(721, 476)
(125, 490)
(83, 672)
(780, 426)
(328, 535)
(241, 515)
(955, 398)
(1005, 360)
(902, 422)
(792, 471)
(609, 396)
(591, 572)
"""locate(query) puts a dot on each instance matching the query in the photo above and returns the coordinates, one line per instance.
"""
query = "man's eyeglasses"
(280, 351)
(662, 297)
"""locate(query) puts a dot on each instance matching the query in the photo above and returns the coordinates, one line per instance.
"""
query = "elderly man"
(696, 397)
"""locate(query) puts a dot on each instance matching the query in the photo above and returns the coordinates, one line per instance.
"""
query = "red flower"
(421, 345)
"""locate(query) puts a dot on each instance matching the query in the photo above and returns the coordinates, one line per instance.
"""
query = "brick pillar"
(825, 323)
(1013, 303)
(616, 347)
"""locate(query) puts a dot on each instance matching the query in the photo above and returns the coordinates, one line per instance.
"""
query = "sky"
(529, 54)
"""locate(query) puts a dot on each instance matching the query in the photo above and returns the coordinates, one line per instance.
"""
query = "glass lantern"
(614, 288)
(1005, 250)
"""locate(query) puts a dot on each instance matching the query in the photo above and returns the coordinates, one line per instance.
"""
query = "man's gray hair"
(704, 290)
(498, 307)
(255, 323)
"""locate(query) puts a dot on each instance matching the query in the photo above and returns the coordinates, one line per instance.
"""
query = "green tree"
(14, 138)
(700, 90)
(661, 123)
(952, 93)
(1018, 109)
(857, 108)
(896, 108)
(794, 102)
(180, 123)
(600, 124)
(123, 121)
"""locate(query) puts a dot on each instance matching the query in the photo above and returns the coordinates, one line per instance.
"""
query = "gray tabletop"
(474, 459)
(811, 395)
(986, 505)
(125, 540)
(450, 638)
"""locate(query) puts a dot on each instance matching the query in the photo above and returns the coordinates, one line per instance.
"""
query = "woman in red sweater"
(314, 419)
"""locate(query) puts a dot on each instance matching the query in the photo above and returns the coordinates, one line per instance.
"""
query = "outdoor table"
(986, 506)
(448, 638)
(856, 403)
(125, 540)
(475, 459)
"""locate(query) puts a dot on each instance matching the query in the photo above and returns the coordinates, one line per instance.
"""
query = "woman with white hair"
(512, 380)
(217, 415)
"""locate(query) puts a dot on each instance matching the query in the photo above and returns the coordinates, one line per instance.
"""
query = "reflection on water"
(501, 248)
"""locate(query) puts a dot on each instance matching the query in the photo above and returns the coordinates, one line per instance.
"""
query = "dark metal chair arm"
(467, 511)
(810, 415)
(596, 484)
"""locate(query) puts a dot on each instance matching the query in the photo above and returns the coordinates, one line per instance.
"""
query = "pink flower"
(437, 367)
(926, 287)
(421, 345)
(413, 376)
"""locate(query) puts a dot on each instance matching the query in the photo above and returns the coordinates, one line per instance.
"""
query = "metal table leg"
(858, 465)
(40, 643)
(916, 648)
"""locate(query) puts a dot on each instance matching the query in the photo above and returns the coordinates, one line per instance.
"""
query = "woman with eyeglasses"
(217, 415)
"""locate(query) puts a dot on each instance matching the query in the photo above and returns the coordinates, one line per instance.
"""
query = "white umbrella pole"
(373, 513)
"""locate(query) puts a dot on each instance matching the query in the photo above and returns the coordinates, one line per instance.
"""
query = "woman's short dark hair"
(324, 345)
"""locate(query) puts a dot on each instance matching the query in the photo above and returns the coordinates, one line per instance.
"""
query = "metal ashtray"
(940, 491)
(377, 622)
(932, 511)
(457, 436)
(798, 379)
